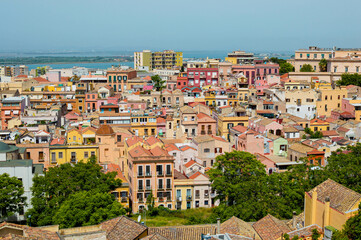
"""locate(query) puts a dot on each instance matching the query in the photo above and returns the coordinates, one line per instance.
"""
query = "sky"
(185, 25)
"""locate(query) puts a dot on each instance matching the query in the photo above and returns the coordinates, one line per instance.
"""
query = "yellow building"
(226, 122)
(72, 153)
(330, 204)
(330, 99)
(81, 136)
(319, 125)
(183, 189)
(210, 98)
(144, 125)
(232, 60)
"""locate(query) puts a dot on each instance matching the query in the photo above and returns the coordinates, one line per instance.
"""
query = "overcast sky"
(255, 25)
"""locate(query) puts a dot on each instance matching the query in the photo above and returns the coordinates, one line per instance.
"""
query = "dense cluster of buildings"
(164, 142)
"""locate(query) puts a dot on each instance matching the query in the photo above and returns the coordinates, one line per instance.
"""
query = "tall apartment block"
(148, 60)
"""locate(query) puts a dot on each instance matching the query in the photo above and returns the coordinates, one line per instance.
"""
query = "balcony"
(160, 187)
(124, 199)
(209, 132)
(169, 187)
(148, 174)
(197, 197)
(179, 199)
(168, 174)
(189, 198)
(141, 200)
(160, 174)
(160, 199)
(206, 195)
(148, 188)
(140, 189)
(140, 174)
(203, 132)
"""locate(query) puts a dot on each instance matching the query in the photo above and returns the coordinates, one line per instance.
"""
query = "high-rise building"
(240, 57)
(148, 60)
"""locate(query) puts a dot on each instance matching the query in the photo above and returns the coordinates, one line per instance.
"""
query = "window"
(159, 169)
(73, 157)
(207, 150)
(140, 184)
(168, 169)
(86, 155)
(204, 163)
(346, 69)
(301, 55)
(160, 183)
(206, 202)
(315, 55)
(147, 184)
(288, 100)
(60, 155)
(357, 69)
(92, 153)
(140, 170)
(169, 183)
(147, 170)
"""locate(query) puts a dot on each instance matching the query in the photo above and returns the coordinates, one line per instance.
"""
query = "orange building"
(117, 78)
(11, 107)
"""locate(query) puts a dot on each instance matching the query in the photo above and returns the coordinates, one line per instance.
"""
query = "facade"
(148, 60)
(117, 78)
(199, 77)
(240, 57)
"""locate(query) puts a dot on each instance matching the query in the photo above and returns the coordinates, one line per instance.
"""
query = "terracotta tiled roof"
(179, 175)
(299, 147)
(139, 151)
(305, 232)
(237, 226)
(26, 232)
(342, 129)
(318, 121)
(152, 140)
(342, 198)
(240, 128)
(186, 147)
(171, 147)
(157, 151)
(111, 167)
(155, 236)
(192, 232)
(329, 133)
(160, 120)
(270, 228)
(40, 79)
(133, 140)
(57, 141)
(205, 117)
(122, 228)
(190, 163)
(197, 174)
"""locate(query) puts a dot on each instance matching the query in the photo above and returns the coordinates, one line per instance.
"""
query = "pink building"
(206, 125)
(258, 71)
(266, 125)
(199, 77)
(250, 142)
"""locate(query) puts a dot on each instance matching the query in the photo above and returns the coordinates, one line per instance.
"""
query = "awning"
(7, 112)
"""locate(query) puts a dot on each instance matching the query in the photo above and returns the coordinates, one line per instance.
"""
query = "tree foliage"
(285, 67)
(246, 191)
(350, 79)
(306, 68)
(351, 230)
(158, 83)
(59, 183)
(86, 208)
(11, 196)
(323, 65)
(312, 134)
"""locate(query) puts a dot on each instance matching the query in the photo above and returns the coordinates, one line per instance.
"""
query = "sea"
(187, 55)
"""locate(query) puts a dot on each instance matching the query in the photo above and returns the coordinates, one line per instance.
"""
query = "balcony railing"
(159, 173)
(140, 188)
(179, 199)
(197, 197)
(169, 186)
(160, 187)
(189, 198)
(140, 174)
(124, 199)
(148, 188)
(148, 174)
(168, 173)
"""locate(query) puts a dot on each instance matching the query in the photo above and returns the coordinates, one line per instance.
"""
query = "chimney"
(218, 226)
(314, 206)
(326, 220)
(294, 223)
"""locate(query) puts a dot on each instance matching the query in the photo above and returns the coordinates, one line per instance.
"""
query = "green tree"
(11, 196)
(344, 167)
(323, 65)
(58, 183)
(315, 234)
(306, 68)
(86, 208)
(285, 67)
(158, 83)
(350, 79)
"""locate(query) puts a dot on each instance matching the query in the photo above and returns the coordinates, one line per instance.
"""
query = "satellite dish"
(139, 218)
